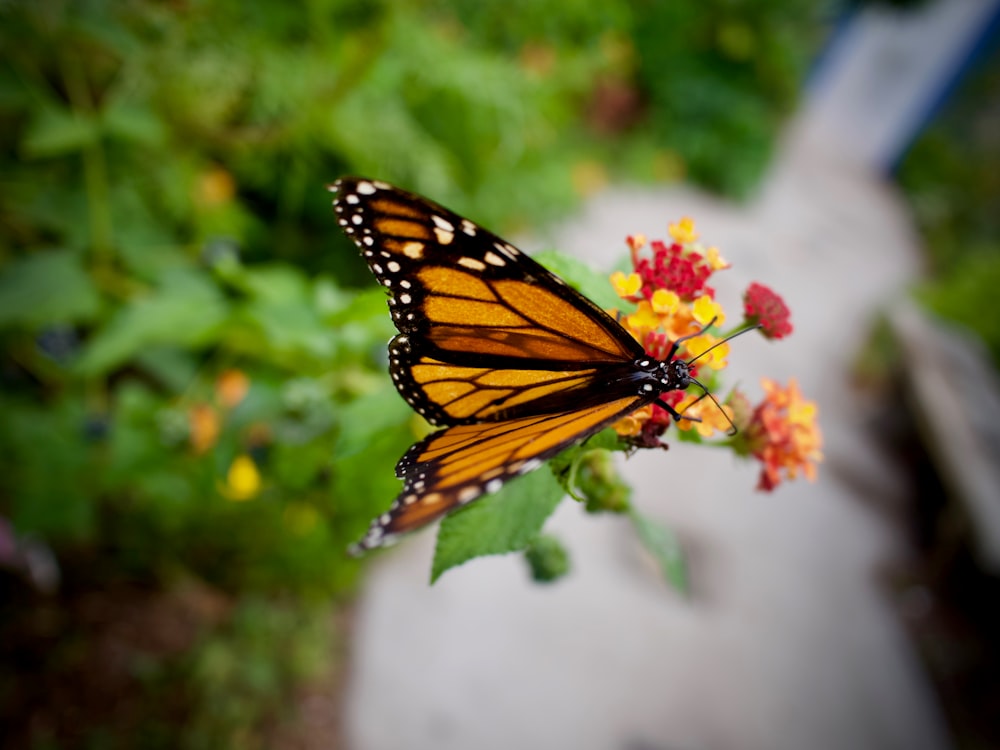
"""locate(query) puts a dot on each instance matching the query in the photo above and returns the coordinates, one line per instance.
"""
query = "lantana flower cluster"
(670, 295)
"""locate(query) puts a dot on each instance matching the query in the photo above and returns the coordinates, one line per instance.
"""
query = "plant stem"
(95, 168)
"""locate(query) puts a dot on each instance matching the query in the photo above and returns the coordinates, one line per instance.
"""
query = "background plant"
(950, 177)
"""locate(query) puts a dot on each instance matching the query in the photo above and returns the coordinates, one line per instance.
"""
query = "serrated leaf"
(497, 524)
(592, 284)
(186, 310)
(663, 545)
(46, 287)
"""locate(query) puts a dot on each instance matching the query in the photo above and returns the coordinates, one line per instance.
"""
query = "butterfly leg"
(674, 413)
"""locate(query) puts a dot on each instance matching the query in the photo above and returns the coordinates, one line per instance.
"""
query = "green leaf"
(663, 545)
(172, 367)
(497, 524)
(129, 122)
(187, 310)
(47, 477)
(364, 483)
(292, 332)
(276, 283)
(581, 277)
(365, 417)
(44, 288)
(57, 132)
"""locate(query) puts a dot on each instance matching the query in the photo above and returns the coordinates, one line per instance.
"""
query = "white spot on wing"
(475, 265)
(468, 494)
(442, 223)
(529, 466)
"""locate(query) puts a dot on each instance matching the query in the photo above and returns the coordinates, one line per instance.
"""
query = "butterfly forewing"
(519, 364)
(452, 281)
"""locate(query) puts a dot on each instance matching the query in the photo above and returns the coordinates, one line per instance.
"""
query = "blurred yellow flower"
(716, 358)
(664, 302)
(683, 231)
(243, 480)
(715, 259)
(626, 286)
(215, 187)
(631, 424)
(643, 319)
(705, 310)
(712, 418)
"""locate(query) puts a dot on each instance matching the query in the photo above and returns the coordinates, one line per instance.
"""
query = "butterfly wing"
(456, 465)
(520, 365)
(486, 333)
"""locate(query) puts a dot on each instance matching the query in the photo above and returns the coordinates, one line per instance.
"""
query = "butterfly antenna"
(673, 350)
(677, 342)
(730, 337)
(708, 393)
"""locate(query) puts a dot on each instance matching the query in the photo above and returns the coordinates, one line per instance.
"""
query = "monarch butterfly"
(513, 363)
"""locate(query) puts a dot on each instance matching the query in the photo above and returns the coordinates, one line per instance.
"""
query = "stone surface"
(952, 389)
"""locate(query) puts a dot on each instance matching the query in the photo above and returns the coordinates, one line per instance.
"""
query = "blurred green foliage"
(725, 65)
(193, 356)
(951, 176)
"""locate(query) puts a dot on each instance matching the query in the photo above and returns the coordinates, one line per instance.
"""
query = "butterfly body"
(514, 364)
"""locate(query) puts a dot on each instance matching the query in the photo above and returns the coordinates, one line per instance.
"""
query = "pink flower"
(762, 306)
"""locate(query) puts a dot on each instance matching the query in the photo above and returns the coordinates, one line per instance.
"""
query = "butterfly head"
(674, 375)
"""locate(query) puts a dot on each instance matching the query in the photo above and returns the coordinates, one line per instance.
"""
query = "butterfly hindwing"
(454, 466)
